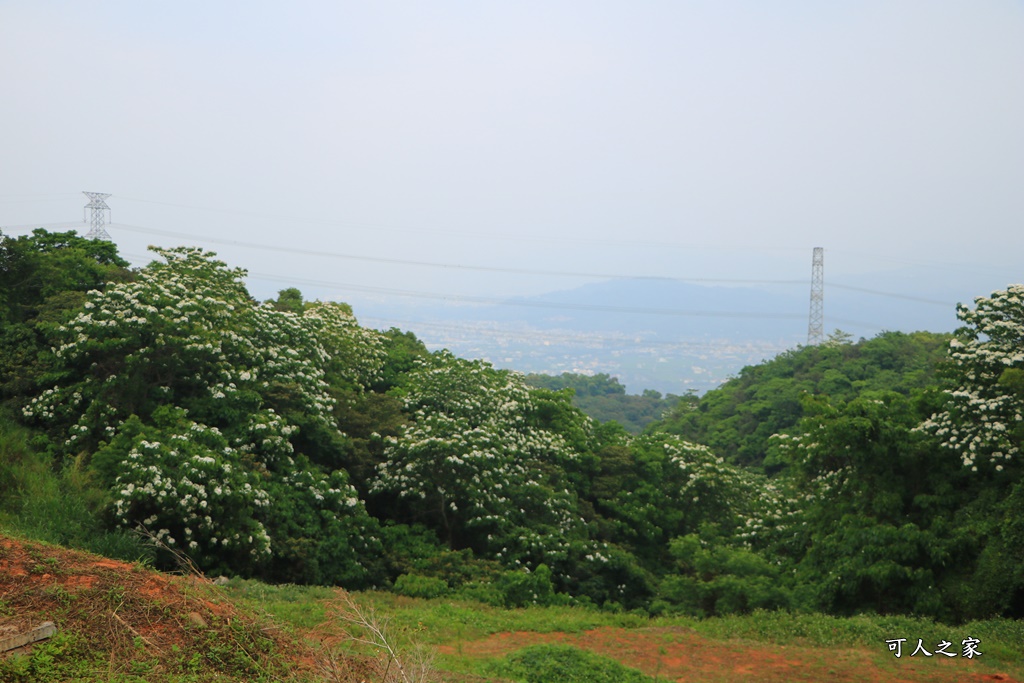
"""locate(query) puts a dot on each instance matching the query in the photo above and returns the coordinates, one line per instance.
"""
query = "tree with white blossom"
(191, 396)
(185, 333)
(472, 465)
(982, 420)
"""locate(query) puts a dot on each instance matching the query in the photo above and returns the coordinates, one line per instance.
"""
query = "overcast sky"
(710, 139)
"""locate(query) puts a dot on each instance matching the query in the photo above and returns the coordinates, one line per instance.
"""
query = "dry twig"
(365, 627)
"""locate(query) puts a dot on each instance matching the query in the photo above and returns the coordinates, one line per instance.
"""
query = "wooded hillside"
(282, 440)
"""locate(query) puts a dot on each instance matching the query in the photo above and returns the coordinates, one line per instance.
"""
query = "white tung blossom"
(983, 414)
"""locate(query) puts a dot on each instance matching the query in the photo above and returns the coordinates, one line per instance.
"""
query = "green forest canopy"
(285, 441)
(603, 398)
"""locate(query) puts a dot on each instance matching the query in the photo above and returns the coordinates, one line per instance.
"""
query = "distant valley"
(666, 335)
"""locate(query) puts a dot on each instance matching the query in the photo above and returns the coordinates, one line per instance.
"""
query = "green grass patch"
(446, 621)
(64, 657)
(436, 621)
(56, 502)
(302, 607)
(564, 664)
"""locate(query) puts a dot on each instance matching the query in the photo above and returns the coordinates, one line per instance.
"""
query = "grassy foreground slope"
(124, 622)
(471, 641)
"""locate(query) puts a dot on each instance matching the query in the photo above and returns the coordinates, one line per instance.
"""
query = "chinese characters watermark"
(969, 648)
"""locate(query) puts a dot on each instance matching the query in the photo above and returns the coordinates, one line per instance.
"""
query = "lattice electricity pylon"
(816, 321)
(98, 218)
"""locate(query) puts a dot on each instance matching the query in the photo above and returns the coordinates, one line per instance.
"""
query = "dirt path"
(675, 654)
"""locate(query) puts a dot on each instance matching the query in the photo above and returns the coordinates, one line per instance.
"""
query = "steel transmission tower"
(816, 321)
(98, 217)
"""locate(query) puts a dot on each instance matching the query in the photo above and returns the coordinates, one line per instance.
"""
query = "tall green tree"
(738, 419)
(35, 268)
(192, 397)
(879, 499)
(44, 278)
(980, 424)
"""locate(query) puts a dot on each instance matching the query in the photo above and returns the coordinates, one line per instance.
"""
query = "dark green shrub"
(717, 580)
(519, 589)
(565, 664)
(415, 586)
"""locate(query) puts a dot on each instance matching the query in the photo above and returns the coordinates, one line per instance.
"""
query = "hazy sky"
(710, 139)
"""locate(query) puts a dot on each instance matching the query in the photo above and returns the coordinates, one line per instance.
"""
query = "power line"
(589, 307)
(447, 266)
(494, 301)
(521, 237)
(518, 237)
(539, 335)
(524, 271)
(547, 304)
(903, 261)
(463, 298)
(517, 271)
(890, 295)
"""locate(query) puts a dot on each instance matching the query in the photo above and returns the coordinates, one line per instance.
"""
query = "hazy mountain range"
(669, 335)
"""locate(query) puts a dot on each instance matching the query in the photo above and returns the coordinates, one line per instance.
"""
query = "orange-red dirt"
(679, 654)
(38, 582)
(129, 614)
(126, 611)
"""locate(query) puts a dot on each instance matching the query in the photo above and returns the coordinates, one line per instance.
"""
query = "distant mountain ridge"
(669, 335)
(690, 310)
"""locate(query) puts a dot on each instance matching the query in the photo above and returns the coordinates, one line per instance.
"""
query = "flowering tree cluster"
(356, 354)
(982, 420)
(650, 491)
(183, 481)
(516, 475)
(229, 429)
(240, 380)
(471, 463)
(184, 333)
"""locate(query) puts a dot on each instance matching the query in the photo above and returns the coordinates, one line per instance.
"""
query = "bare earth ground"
(131, 615)
(38, 582)
(137, 621)
(681, 655)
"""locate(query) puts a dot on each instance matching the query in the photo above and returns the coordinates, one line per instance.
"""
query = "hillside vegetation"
(738, 419)
(283, 441)
(604, 399)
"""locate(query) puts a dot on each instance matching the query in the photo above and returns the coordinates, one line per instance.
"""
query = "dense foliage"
(284, 440)
(981, 421)
(738, 419)
(603, 398)
(185, 396)
(471, 464)
(43, 278)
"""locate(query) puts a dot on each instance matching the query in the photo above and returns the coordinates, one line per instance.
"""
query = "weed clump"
(565, 664)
